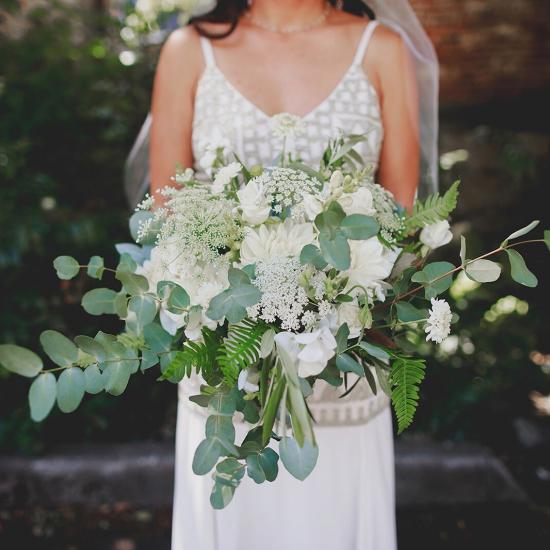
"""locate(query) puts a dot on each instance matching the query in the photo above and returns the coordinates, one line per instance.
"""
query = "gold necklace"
(288, 29)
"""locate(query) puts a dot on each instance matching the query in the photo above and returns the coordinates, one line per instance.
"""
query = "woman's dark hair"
(229, 11)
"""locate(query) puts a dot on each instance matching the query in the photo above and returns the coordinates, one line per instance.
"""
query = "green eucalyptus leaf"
(177, 299)
(254, 468)
(157, 338)
(136, 220)
(342, 335)
(359, 227)
(237, 277)
(221, 427)
(94, 379)
(59, 348)
(520, 271)
(117, 376)
(383, 377)
(521, 232)
(133, 284)
(483, 271)
(268, 461)
(407, 313)
(430, 276)
(70, 389)
(99, 301)
(144, 310)
(90, 346)
(374, 351)
(20, 360)
(221, 495)
(149, 359)
(223, 404)
(310, 254)
(206, 455)
(346, 363)
(335, 249)
(96, 267)
(462, 249)
(299, 461)
(42, 395)
(547, 238)
(232, 303)
(66, 266)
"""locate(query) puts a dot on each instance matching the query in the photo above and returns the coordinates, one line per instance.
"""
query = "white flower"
(225, 175)
(254, 202)
(436, 234)
(183, 177)
(359, 202)
(248, 381)
(336, 181)
(371, 264)
(349, 313)
(281, 240)
(285, 125)
(196, 8)
(308, 352)
(311, 206)
(438, 326)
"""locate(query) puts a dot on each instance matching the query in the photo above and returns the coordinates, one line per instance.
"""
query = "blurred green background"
(74, 89)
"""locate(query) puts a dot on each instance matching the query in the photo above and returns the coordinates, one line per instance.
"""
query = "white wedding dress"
(347, 503)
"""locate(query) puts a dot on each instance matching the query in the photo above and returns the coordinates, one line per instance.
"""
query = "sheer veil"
(396, 14)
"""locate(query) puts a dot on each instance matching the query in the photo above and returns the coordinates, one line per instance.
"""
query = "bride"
(336, 66)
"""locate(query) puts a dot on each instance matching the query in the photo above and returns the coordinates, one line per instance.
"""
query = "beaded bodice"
(224, 115)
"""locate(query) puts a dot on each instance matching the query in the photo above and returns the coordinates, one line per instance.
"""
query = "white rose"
(349, 313)
(282, 240)
(371, 264)
(254, 203)
(311, 206)
(359, 202)
(436, 234)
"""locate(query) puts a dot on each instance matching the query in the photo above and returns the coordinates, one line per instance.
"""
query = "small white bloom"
(207, 160)
(224, 176)
(336, 181)
(349, 313)
(254, 202)
(183, 177)
(359, 202)
(196, 8)
(285, 125)
(436, 234)
(438, 326)
(248, 381)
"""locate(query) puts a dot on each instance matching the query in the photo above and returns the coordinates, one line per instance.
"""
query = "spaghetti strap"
(364, 42)
(207, 52)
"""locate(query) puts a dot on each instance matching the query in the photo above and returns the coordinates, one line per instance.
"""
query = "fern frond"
(435, 208)
(200, 355)
(240, 349)
(405, 378)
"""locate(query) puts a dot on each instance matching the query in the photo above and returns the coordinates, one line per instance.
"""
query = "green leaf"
(483, 271)
(42, 394)
(462, 249)
(99, 301)
(521, 232)
(66, 266)
(520, 271)
(229, 471)
(220, 426)
(329, 221)
(346, 363)
(374, 351)
(133, 284)
(341, 338)
(405, 378)
(383, 379)
(237, 277)
(20, 360)
(59, 348)
(142, 311)
(254, 469)
(96, 267)
(221, 495)
(70, 389)
(232, 303)
(148, 359)
(94, 381)
(359, 227)
(407, 313)
(547, 238)
(310, 254)
(271, 408)
(299, 461)
(157, 338)
(335, 249)
(268, 461)
(175, 297)
(91, 346)
(434, 209)
(117, 376)
(223, 404)
(126, 263)
(135, 222)
(206, 455)
(430, 277)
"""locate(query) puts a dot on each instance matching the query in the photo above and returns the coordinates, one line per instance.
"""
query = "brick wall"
(489, 49)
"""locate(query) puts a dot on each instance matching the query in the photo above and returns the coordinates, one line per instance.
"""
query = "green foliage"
(520, 272)
(359, 227)
(434, 279)
(346, 363)
(483, 271)
(20, 360)
(332, 239)
(298, 460)
(521, 232)
(406, 375)
(66, 267)
(433, 209)
(42, 396)
(240, 348)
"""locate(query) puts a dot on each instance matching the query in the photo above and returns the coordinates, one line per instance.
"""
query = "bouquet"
(261, 282)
